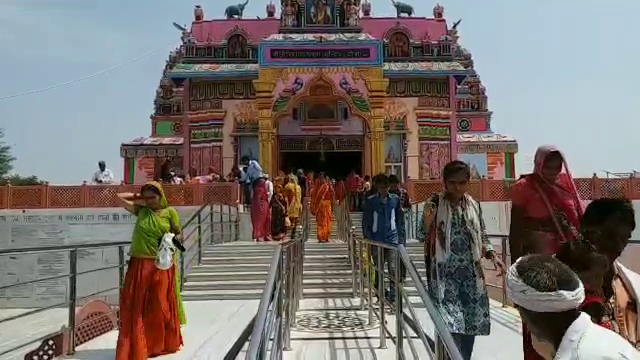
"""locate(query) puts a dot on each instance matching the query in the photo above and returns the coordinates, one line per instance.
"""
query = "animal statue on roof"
(402, 8)
(235, 11)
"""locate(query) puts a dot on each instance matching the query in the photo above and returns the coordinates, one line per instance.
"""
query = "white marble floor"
(214, 325)
(503, 343)
(28, 328)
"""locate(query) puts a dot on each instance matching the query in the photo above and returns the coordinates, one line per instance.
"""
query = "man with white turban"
(548, 294)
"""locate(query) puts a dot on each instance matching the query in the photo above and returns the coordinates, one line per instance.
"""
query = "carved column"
(377, 86)
(264, 95)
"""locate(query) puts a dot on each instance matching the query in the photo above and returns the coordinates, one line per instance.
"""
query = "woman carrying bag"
(151, 310)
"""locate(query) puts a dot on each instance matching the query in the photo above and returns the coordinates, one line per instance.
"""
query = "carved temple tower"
(324, 86)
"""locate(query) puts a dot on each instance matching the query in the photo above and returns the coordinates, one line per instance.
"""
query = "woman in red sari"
(545, 213)
(323, 205)
(260, 211)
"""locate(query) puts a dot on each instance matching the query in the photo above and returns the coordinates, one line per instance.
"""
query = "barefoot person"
(547, 295)
(150, 305)
(455, 242)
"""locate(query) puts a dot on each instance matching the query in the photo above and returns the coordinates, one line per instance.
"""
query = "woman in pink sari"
(260, 211)
(545, 213)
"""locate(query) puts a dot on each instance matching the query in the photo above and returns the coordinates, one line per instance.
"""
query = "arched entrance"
(322, 131)
(326, 118)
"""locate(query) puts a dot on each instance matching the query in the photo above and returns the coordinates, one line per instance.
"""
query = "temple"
(324, 86)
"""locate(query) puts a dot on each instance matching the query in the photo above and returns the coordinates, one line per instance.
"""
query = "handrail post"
(73, 283)
(199, 237)
(221, 227)
(211, 227)
(227, 224)
(290, 298)
(121, 273)
(399, 309)
(371, 272)
(381, 298)
(504, 278)
(280, 310)
(361, 277)
(182, 268)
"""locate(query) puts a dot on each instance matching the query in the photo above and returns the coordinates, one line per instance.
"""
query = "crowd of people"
(575, 299)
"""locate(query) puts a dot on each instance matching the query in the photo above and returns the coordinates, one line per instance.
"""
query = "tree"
(6, 159)
(6, 165)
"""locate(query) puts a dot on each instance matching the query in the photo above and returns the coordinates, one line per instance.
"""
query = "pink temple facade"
(435, 108)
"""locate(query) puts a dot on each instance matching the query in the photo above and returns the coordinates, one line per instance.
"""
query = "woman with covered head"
(293, 194)
(548, 295)
(322, 207)
(545, 212)
(278, 214)
(151, 309)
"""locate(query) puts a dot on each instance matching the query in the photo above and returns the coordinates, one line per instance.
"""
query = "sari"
(314, 194)
(260, 213)
(293, 194)
(543, 216)
(151, 309)
(324, 211)
(278, 215)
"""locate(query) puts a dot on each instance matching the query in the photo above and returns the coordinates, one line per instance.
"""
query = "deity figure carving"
(399, 45)
(237, 47)
(320, 12)
(290, 14)
(352, 13)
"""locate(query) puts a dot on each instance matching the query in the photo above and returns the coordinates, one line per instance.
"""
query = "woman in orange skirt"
(150, 306)
(323, 205)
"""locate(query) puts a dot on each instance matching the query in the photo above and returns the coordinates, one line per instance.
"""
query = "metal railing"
(211, 224)
(72, 301)
(269, 333)
(370, 280)
(217, 225)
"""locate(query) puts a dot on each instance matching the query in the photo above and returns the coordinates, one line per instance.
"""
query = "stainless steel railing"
(271, 333)
(366, 287)
(210, 224)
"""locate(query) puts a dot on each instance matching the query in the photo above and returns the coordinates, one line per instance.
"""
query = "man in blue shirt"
(383, 221)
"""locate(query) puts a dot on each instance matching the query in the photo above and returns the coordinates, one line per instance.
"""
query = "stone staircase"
(238, 271)
(235, 271)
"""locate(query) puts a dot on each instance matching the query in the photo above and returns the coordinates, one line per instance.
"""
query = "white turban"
(529, 298)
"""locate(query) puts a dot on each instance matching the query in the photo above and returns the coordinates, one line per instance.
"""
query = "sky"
(557, 72)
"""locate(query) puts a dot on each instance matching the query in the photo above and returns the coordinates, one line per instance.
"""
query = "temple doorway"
(336, 164)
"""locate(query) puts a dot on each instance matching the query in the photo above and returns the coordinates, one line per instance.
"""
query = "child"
(590, 267)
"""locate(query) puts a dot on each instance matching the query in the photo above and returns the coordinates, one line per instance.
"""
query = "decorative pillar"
(186, 127)
(453, 119)
(377, 86)
(264, 87)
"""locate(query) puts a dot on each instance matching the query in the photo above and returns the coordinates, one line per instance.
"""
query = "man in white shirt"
(103, 176)
(269, 186)
(548, 294)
